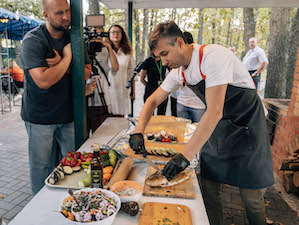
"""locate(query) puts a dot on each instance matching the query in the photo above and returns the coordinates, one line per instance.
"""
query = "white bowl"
(107, 221)
(124, 184)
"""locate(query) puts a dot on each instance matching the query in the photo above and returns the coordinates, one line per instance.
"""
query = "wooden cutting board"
(178, 147)
(182, 190)
(154, 213)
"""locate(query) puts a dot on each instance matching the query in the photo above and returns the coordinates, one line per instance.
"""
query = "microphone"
(138, 67)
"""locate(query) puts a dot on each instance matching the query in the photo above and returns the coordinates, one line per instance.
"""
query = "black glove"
(136, 142)
(176, 165)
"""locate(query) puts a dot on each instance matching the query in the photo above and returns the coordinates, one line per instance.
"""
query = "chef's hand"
(136, 142)
(176, 165)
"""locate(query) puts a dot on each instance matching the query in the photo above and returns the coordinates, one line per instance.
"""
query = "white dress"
(119, 94)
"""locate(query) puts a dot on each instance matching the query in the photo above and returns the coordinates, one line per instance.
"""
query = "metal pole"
(78, 81)
(130, 20)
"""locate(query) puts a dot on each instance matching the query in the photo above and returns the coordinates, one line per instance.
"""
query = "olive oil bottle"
(96, 170)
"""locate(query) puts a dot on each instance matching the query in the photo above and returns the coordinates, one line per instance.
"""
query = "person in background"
(47, 106)
(189, 106)
(119, 94)
(255, 60)
(153, 70)
(16, 72)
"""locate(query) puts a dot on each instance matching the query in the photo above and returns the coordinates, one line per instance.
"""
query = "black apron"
(238, 152)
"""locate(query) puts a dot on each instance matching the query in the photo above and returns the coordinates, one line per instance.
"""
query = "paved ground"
(16, 191)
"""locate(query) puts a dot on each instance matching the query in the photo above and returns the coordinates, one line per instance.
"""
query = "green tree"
(27, 8)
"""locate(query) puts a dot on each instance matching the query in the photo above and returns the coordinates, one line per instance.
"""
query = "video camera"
(93, 46)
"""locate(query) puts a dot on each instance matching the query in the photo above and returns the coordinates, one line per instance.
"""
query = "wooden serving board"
(71, 181)
(160, 118)
(182, 190)
(154, 213)
(178, 147)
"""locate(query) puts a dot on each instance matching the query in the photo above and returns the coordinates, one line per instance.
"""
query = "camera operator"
(107, 61)
(103, 60)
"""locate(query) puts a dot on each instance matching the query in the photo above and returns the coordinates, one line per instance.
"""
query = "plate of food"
(95, 206)
(74, 169)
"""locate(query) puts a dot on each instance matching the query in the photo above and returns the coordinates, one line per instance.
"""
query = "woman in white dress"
(119, 94)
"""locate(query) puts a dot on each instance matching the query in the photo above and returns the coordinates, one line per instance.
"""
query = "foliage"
(217, 24)
(27, 8)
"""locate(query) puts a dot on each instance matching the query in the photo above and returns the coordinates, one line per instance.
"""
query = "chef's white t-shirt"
(219, 65)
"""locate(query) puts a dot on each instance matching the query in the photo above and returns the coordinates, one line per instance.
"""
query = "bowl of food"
(96, 206)
(127, 190)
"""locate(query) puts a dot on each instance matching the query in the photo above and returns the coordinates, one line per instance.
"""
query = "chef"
(232, 134)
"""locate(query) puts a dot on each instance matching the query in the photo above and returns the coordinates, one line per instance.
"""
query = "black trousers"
(173, 104)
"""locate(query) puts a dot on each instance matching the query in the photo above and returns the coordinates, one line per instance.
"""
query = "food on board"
(158, 180)
(161, 151)
(161, 136)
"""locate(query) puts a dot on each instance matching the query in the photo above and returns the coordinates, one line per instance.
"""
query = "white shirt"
(119, 94)
(219, 65)
(254, 58)
(189, 99)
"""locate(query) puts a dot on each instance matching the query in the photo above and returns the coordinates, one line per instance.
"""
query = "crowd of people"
(208, 84)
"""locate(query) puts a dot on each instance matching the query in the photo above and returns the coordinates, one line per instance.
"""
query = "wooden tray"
(163, 119)
(182, 190)
(71, 181)
(154, 213)
(178, 147)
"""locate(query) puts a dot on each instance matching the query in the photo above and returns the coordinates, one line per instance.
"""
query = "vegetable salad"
(93, 206)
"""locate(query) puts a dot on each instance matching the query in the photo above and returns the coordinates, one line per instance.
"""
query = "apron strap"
(200, 59)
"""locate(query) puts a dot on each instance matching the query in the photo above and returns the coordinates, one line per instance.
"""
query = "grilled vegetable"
(54, 178)
(86, 181)
(68, 170)
(76, 168)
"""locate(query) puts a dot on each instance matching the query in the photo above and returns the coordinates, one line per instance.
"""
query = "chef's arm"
(150, 105)
(260, 69)
(215, 97)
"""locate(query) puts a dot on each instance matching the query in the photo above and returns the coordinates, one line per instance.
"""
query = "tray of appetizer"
(74, 169)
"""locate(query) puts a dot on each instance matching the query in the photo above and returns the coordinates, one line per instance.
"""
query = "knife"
(148, 160)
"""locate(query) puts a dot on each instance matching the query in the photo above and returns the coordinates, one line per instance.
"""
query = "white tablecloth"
(43, 208)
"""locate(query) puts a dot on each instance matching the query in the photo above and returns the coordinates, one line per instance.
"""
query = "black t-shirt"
(153, 75)
(40, 106)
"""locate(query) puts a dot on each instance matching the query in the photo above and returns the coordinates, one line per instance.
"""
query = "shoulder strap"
(200, 59)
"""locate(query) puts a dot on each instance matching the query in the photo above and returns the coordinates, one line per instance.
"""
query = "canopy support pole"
(78, 81)
(130, 20)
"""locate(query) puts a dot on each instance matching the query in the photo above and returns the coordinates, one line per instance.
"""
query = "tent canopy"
(17, 25)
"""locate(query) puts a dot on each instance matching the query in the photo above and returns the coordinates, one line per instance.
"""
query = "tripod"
(99, 85)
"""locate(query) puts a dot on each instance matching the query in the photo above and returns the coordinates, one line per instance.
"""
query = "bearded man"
(47, 107)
